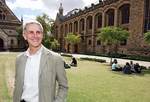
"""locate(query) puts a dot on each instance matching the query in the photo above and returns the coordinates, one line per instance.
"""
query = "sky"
(29, 9)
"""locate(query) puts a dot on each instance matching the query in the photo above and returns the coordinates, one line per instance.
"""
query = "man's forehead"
(35, 26)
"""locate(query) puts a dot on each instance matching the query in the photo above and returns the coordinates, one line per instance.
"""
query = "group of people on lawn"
(128, 68)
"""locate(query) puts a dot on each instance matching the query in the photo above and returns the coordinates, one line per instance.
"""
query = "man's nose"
(35, 34)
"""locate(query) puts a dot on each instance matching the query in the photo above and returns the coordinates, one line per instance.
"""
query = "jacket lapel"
(22, 68)
(44, 56)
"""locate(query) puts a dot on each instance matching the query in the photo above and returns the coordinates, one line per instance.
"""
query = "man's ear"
(24, 36)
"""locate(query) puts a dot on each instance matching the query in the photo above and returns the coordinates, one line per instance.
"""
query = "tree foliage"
(49, 41)
(112, 35)
(72, 38)
(147, 37)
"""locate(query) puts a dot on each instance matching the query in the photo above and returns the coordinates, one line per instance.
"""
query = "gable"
(7, 15)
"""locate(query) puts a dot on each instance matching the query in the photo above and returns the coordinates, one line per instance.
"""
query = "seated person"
(115, 66)
(132, 67)
(74, 62)
(137, 68)
(66, 65)
(127, 69)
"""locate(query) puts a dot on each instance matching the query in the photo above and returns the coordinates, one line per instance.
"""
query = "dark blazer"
(51, 71)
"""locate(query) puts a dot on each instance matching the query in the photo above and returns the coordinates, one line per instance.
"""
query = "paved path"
(120, 61)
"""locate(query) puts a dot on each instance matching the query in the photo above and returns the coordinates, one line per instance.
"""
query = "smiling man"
(38, 69)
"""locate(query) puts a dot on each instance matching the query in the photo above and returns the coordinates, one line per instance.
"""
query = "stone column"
(73, 27)
(85, 31)
(93, 34)
(78, 26)
(103, 19)
(116, 18)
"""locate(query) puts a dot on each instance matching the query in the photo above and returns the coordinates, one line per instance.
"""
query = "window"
(125, 13)
(110, 17)
(123, 43)
(147, 16)
(89, 43)
(98, 42)
(2, 15)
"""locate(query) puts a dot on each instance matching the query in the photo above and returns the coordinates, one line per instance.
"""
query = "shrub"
(94, 59)
(66, 55)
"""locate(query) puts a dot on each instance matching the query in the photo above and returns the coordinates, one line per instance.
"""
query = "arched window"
(70, 27)
(2, 15)
(1, 44)
(89, 22)
(98, 20)
(147, 15)
(76, 26)
(82, 24)
(66, 29)
(110, 17)
(124, 13)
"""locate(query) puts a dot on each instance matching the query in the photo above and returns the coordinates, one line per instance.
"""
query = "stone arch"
(1, 44)
(5, 39)
(124, 13)
(123, 2)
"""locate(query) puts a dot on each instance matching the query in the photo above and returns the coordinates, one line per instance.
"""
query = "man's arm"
(62, 81)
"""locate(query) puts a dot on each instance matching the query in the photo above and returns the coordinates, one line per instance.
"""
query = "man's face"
(33, 35)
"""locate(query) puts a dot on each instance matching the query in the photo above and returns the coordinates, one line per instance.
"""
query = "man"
(38, 69)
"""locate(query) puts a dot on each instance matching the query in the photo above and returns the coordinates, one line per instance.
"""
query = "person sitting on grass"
(115, 66)
(127, 69)
(137, 68)
(74, 62)
(67, 66)
(132, 67)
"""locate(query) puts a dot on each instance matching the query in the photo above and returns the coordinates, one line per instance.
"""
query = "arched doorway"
(75, 48)
(1, 44)
(68, 48)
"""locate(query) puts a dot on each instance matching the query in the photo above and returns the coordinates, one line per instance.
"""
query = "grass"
(6, 68)
(89, 82)
(94, 82)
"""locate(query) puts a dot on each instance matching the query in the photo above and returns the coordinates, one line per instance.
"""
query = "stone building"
(132, 15)
(8, 24)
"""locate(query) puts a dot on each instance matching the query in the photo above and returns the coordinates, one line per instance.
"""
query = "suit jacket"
(51, 71)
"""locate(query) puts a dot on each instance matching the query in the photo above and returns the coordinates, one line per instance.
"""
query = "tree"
(22, 43)
(49, 41)
(147, 37)
(112, 36)
(72, 38)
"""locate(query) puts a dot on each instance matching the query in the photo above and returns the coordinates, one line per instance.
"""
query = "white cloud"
(32, 4)
(49, 7)
(88, 2)
(28, 17)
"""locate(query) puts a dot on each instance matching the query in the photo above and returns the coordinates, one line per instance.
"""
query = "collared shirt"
(30, 88)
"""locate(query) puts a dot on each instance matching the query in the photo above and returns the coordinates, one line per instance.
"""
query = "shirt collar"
(37, 53)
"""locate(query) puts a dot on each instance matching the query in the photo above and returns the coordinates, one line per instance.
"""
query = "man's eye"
(31, 32)
(38, 32)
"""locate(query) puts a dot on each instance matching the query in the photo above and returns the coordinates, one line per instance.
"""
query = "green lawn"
(89, 82)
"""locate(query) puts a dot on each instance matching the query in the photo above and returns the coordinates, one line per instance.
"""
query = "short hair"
(31, 22)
